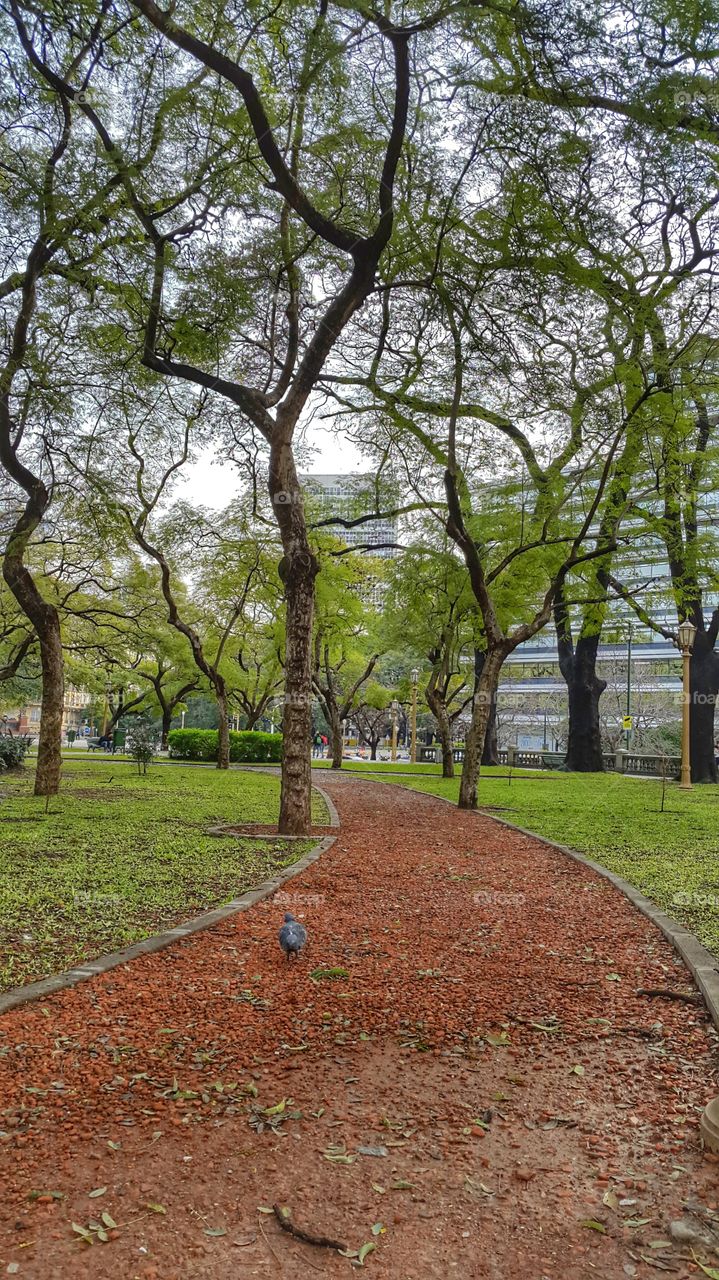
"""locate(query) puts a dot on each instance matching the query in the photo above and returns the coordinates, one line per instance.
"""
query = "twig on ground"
(323, 1241)
(269, 1246)
(688, 997)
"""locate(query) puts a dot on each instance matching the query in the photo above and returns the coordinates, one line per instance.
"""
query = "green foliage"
(247, 747)
(12, 751)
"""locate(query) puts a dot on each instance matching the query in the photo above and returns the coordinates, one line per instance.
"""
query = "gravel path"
(531, 1116)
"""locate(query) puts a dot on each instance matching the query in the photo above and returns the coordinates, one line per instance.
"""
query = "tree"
(261, 294)
(346, 649)
(371, 716)
(434, 612)
(671, 513)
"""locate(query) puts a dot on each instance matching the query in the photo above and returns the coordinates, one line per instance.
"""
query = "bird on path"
(293, 936)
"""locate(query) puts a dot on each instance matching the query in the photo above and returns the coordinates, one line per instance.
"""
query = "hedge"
(245, 747)
(12, 750)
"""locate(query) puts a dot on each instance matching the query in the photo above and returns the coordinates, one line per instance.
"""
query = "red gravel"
(462, 940)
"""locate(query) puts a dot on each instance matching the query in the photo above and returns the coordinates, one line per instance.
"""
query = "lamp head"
(686, 633)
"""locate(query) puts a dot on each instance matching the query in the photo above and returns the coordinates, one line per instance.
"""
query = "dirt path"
(488, 1042)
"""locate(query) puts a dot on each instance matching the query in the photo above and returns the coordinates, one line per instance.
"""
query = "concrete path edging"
(702, 965)
(158, 942)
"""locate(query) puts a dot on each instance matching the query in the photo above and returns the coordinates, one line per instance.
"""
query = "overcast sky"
(212, 482)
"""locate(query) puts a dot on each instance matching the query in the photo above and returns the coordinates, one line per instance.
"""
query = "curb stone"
(160, 941)
(702, 965)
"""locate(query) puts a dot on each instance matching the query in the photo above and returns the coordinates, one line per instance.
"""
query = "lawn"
(116, 857)
(671, 856)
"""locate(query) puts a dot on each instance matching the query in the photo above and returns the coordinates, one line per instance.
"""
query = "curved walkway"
(524, 1112)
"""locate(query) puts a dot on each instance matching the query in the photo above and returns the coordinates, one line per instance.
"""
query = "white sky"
(213, 482)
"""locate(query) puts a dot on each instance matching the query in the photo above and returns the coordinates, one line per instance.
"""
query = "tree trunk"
(373, 749)
(298, 570)
(49, 759)
(444, 729)
(704, 686)
(490, 752)
(45, 619)
(223, 731)
(486, 692)
(166, 722)
(584, 689)
(336, 742)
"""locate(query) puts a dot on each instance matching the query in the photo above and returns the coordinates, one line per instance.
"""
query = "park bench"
(552, 760)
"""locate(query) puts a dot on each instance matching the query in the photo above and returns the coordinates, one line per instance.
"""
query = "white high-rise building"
(348, 497)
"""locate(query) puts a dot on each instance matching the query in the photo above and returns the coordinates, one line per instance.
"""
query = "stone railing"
(628, 762)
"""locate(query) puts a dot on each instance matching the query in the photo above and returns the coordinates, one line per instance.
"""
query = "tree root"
(322, 1241)
(688, 997)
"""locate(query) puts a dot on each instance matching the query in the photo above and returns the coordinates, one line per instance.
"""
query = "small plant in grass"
(141, 744)
(13, 751)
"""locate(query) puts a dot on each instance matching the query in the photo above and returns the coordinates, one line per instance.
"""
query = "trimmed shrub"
(246, 747)
(12, 751)
(141, 743)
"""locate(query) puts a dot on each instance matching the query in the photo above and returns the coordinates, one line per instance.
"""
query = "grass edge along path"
(116, 858)
(670, 854)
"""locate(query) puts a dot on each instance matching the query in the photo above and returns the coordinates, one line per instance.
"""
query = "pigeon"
(293, 936)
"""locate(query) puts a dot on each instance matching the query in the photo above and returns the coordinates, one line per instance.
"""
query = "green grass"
(672, 857)
(116, 857)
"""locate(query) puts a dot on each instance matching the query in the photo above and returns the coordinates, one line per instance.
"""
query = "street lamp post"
(628, 716)
(183, 714)
(393, 753)
(415, 678)
(685, 635)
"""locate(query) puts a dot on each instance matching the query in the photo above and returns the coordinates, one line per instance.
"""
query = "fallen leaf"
(708, 1271)
(369, 1247)
(156, 1208)
(610, 1200)
(277, 1109)
(593, 1225)
(215, 1231)
(378, 1228)
(99, 1191)
(108, 1221)
(497, 1041)
(576, 1070)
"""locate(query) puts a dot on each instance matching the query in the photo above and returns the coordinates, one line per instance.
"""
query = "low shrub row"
(12, 751)
(246, 747)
